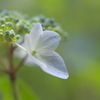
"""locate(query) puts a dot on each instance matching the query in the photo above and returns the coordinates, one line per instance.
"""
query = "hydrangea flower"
(40, 46)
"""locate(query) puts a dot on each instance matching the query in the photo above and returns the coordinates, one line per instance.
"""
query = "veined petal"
(27, 43)
(37, 29)
(35, 34)
(55, 64)
(21, 54)
(48, 41)
(36, 61)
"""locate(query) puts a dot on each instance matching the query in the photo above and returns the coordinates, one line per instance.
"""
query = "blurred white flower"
(40, 46)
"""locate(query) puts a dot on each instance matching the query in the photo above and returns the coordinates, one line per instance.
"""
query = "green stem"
(20, 47)
(11, 74)
(14, 87)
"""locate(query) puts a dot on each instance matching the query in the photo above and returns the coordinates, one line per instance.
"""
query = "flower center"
(33, 52)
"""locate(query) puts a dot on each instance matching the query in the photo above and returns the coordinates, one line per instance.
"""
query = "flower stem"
(14, 87)
(20, 64)
(11, 74)
(20, 47)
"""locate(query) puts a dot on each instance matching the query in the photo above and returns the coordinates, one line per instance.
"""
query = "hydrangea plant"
(34, 40)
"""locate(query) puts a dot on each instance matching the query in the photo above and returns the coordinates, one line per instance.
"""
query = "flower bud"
(6, 18)
(3, 26)
(17, 37)
(42, 18)
(1, 34)
(26, 29)
(12, 31)
(1, 30)
(7, 32)
(9, 24)
(2, 21)
(12, 35)
(16, 20)
(52, 20)
(21, 25)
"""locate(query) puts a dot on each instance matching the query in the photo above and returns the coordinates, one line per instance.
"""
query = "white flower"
(40, 46)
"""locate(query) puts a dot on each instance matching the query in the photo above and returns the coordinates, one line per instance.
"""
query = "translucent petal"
(35, 34)
(21, 54)
(36, 61)
(27, 43)
(55, 64)
(48, 41)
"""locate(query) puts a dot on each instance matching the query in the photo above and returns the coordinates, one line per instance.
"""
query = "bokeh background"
(80, 51)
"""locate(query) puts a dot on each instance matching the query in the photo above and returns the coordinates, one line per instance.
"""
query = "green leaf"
(25, 91)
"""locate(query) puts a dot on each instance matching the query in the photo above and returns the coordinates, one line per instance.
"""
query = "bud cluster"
(14, 24)
(49, 24)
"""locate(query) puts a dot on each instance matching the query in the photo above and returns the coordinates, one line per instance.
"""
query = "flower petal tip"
(66, 76)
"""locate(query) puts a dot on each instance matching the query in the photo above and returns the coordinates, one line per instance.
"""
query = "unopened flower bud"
(1, 30)
(6, 18)
(7, 32)
(2, 21)
(9, 24)
(12, 31)
(52, 20)
(42, 18)
(16, 20)
(3, 26)
(21, 25)
(17, 37)
(26, 29)
(12, 35)
(1, 34)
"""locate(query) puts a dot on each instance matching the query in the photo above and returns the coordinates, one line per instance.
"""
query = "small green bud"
(7, 32)
(26, 29)
(1, 34)
(21, 25)
(9, 24)
(16, 20)
(2, 21)
(17, 37)
(57, 28)
(44, 24)
(52, 20)
(5, 12)
(12, 31)
(6, 18)
(1, 30)
(36, 19)
(3, 26)
(12, 35)
(42, 18)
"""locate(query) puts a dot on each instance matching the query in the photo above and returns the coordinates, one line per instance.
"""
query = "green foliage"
(24, 90)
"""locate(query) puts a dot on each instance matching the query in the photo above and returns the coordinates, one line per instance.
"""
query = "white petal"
(37, 29)
(21, 54)
(36, 61)
(27, 43)
(35, 34)
(55, 64)
(48, 41)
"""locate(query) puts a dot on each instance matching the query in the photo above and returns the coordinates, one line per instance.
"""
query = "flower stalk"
(11, 72)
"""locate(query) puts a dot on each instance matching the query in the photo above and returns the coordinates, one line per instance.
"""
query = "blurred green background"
(81, 51)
